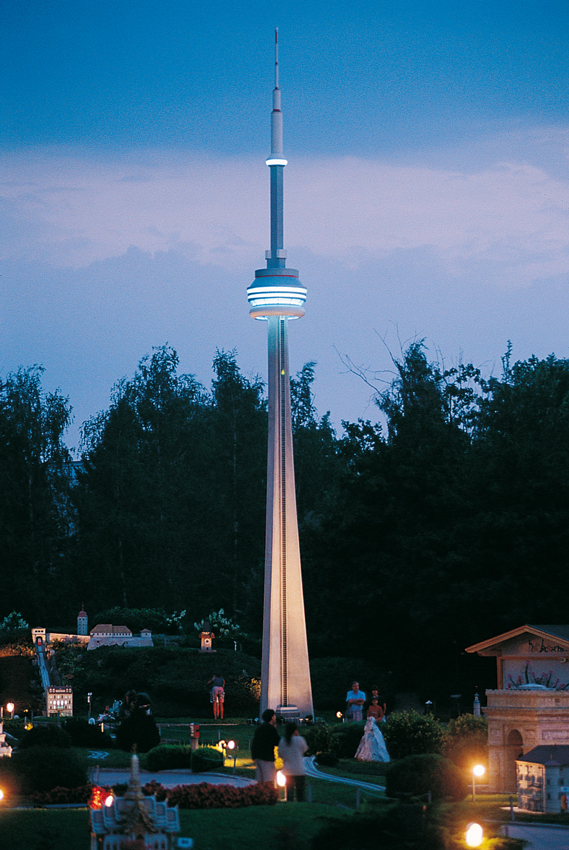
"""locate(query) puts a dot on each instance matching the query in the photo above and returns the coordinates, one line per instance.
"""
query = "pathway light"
(477, 770)
(474, 835)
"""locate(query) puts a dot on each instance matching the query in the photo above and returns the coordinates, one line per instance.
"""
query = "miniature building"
(529, 655)
(38, 635)
(206, 637)
(82, 622)
(543, 779)
(105, 634)
(59, 701)
(530, 706)
(5, 749)
(134, 817)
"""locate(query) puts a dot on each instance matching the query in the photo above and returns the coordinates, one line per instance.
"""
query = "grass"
(42, 829)
(366, 771)
(280, 827)
(266, 827)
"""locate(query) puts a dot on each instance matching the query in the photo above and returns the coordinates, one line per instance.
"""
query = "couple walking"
(291, 750)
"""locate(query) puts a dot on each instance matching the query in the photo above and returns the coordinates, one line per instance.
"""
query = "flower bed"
(206, 796)
(201, 796)
(59, 796)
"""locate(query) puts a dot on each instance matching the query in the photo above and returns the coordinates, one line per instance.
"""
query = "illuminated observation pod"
(276, 292)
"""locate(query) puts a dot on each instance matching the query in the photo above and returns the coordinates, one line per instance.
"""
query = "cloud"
(508, 217)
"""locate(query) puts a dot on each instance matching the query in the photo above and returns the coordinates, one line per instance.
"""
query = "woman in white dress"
(292, 749)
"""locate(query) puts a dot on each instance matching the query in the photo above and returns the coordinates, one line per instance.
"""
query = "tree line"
(441, 523)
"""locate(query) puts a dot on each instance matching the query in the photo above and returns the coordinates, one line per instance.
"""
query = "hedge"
(409, 733)
(43, 768)
(169, 757)
(206, 758)
(44, 735)
(85, 734)
(421, 774)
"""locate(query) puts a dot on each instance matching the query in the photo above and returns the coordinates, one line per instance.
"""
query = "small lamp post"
(10, 708)
(232, 747)
(477, 770)
(89, 695)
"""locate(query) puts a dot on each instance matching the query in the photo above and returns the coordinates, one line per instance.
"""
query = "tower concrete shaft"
(277, 296)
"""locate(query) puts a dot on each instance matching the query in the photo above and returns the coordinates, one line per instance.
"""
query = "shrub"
(409, 733)
(44, 768)
(85, 734)
(44, 735)
(140, 731)
(385, 827)
(169, 757)
(344, 739)
(327, 758)
(419, 774)
(206, 758)
(317, 738)
(466, 741)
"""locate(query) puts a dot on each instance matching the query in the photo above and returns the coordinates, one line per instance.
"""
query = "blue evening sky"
(426, 194)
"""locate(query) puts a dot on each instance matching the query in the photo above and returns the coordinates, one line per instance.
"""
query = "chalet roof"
(550, 755)
(547, 632)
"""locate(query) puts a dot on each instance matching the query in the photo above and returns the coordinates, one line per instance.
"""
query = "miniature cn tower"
(276, 295)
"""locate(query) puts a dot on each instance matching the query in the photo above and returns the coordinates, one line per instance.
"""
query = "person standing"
(354, 703)
(376, 711)
(217, 695)
(292, 749)
(265, 739)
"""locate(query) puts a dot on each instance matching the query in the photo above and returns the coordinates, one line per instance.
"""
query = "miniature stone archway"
(514, 749)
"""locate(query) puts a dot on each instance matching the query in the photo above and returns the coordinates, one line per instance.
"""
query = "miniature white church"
(134, 817)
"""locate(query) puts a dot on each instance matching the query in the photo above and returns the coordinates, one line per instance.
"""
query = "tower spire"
(277, 295)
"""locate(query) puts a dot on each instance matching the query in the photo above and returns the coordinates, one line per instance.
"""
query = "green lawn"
(263, 827)
(43, 829)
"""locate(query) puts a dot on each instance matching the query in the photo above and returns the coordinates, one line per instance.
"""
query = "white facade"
(105, 634)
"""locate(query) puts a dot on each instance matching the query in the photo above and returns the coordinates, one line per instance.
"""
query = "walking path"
(313, 771)
(166, 778)
(539, 837)
(171, 778)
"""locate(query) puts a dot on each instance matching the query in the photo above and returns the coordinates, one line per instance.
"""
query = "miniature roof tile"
(550, 755)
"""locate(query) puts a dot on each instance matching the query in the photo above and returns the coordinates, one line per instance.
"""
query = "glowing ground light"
(474, 835)
(281, 779)
(1, 795)
(109, 800)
